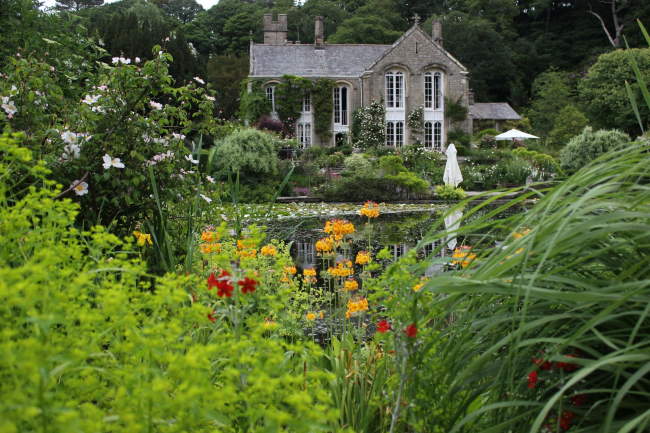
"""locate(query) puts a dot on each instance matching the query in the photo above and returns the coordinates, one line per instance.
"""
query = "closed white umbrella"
(452, 174)
(514, 134)
(452, 223)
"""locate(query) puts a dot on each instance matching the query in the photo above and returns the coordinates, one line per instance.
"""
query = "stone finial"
(416, 19)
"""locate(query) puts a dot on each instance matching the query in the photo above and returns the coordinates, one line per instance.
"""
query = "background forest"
(509, 47)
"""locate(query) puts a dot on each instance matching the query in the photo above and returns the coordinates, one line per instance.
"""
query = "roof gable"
(409, 33)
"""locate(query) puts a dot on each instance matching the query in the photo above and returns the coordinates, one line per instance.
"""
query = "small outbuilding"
(491, 115)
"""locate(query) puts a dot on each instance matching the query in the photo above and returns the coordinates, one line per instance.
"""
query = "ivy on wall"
(455, 111)
(289, 94)
(415, 122)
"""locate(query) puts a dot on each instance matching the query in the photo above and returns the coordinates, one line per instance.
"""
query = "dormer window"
(394, 89)
(270, 96)
(433, 92)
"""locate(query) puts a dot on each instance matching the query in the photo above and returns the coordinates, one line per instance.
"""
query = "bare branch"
(602, 24)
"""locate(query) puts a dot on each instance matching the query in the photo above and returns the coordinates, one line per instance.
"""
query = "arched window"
(270, 96)
(394, 89)
(433, 91)
(394, 133)
(428, 134)
(437, 136)
(341, 105)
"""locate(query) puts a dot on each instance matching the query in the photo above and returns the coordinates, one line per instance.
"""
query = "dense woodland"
(505, 44)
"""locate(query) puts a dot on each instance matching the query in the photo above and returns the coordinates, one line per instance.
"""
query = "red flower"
(383, 326)
(224, 287)
(411, 330)
(212, 281)
(211, 317)
(544, 365)
(247, 285)
(578, 399)
(565, 420)
(532, 379)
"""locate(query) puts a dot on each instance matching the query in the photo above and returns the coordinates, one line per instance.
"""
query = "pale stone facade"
(415, 71)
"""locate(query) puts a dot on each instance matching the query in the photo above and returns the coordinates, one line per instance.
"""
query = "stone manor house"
(415, 71)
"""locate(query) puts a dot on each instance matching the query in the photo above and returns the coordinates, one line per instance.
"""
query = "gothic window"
(306, 103)
(341, 105)
(428, 134)
(394, 89)
(437, 136)
(433, 92)
(394, 133)
(270, 96)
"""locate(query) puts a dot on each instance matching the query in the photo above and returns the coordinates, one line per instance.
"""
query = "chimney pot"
(319, 31)
(436, 32)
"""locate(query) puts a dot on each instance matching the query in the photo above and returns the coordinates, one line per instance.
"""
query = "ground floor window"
(303, 134)
(433, 135)
(394, 133)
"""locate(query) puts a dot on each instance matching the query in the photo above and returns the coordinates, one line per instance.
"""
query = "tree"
(247, 151)
(364, 30)
(603, 93)
(183, 10)
(621, 13)
(551, 93)
(76, 5)
(589, 145)
(568, 123)
(226, 73)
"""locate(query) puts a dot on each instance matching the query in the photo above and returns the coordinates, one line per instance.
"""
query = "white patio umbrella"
(452, 174)
(514, 134)
(452, 222)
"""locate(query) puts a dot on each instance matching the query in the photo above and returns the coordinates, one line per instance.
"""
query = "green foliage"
(92, 342)
(391, 164)
(455, 111)
(461, 140)
(569, 122)
(357, 164)
(253, 102)
(366, 29)
(588, 146)
(247, 151)
(552, 91)
(289, 96)
(323, 107)
(544, 164)
(369, 126)
(227, 73)
(603, 90)
(449, 193)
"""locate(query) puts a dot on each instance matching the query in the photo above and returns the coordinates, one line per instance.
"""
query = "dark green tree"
(552, 91)
(364, 30)
(183, 10)
(226, 74)
(76, 5)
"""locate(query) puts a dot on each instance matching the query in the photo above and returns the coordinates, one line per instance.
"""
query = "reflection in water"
(305, 254)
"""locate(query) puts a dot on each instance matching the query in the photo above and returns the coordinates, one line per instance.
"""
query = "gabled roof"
(304, 60)
(493, 111)
(416, 28)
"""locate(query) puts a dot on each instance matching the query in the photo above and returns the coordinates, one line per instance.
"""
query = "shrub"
(369, 126)
(588, 146)
(391, 164)
(357, 164)
(487, 142)
(269, 123)
(569, 122)
(449, 193)
(460, 138)
(248, 151)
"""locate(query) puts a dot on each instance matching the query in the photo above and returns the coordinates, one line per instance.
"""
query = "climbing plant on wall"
(369, 126)
(253, 104)
(322, 101)
(455, 111)
(289, 94)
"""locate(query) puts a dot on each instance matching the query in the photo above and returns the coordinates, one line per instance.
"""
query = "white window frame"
(437, 136)
(433, 135)
(434, 92)
(341, 97)
(303, 134)
(394, 90)
(395, 133)
(270, 96)
(428, 134)
(306, 103)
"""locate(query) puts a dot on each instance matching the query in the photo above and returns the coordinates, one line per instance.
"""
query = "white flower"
(178, 136)
(71, 151)
(91, 99)
(9, 107)
(209, 98)
(80, 188)
(199, 80)
(206, 198)
(192, 160)
(112, 162)
(117, 60)
(156, 105)
(69, 137)
(137, 60)
(210, 179)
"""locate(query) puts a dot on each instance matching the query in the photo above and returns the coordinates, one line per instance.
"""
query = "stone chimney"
(436, 32)
(319, 31)
(275, 32)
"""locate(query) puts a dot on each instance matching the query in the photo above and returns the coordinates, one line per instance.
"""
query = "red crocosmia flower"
(566, 419)
(224, 287)
(544, 365)
(212, 281)
(578, 399)
(247, 285)
(383, 326)
(532, 379)
(567, 366)
(211, 317)
(411, 330)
